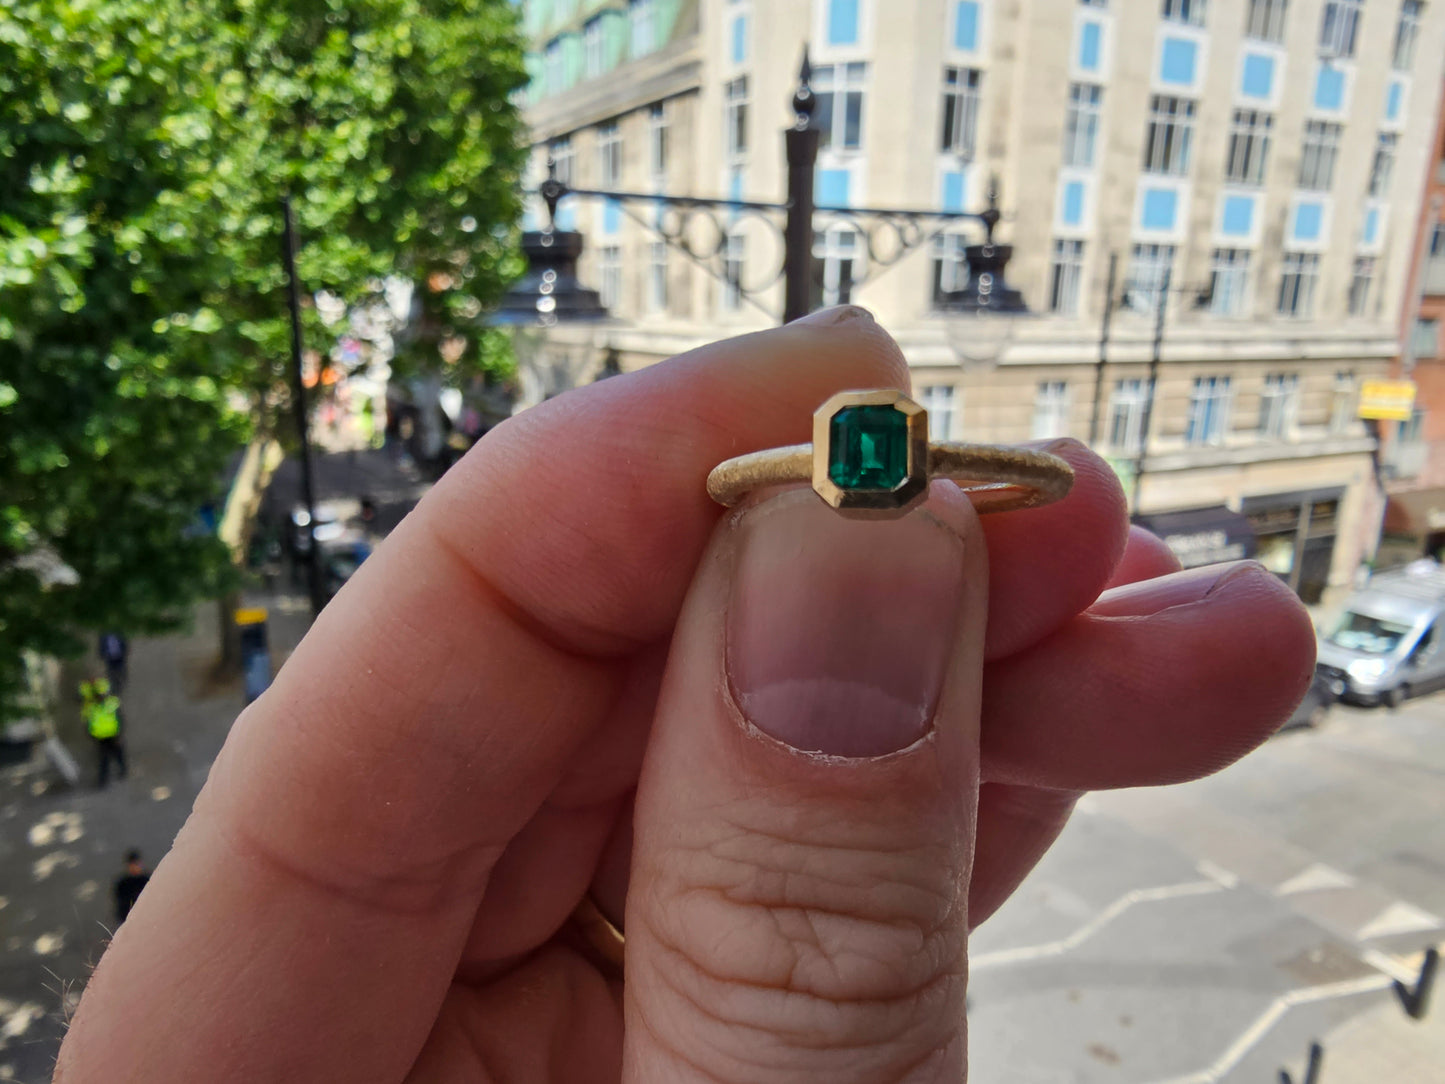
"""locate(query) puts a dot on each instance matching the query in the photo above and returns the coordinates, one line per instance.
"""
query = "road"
(1198, 933)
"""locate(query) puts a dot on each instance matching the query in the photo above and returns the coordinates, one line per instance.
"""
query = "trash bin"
(255, 652)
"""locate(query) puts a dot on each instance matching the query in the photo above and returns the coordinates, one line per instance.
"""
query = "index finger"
(310, 916)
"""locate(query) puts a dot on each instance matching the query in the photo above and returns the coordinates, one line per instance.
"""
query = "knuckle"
(818, 942)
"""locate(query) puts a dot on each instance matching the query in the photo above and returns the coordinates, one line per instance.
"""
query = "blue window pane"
(1073, 204)
(1393, 99)
(1090, 45)
(842, 22)
(832, 188)
(953, 191)
(1308, 218)
(567, 215)
(1177, 60)
(1372, 225)
(735, 185)
(740, 39)
(965, 26)
(1329, 88)
(1257, 79)
(531, 220)
(611, 217)
(1159, 208)
(1237, 218)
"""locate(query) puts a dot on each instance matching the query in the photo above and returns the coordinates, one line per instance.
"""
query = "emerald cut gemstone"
(868, 447)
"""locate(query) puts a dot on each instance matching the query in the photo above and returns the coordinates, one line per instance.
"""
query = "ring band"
(870, 458)
(598, 931)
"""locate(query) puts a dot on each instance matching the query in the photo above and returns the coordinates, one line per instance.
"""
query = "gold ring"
(871, 458)
(598, 931)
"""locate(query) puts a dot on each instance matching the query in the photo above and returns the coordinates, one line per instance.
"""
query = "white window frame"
(609, 154)
(554, 66)
(1299, 278)
(1407, 35)
(1340, 28)
(949, 264)
(1052, 410)
(734, 266)
(609, 275)
(735, 120)
(1279, 406)
(1127, 403)
(942, 403)
(839, 82)
(593, 54)
(564, 159)
(641, 27)
(657, 143)
(1066, 276)
(1169, 135)
(1147, 263)
(1229, 282)
(1266, 20)
(1210, 402)
(1362, 284)
(1319, 154)
(657, 269)
(824, 49)
(963, 90)
(1247, 153)
(835, 246)
(1083, 124)
(1187, 12)
(1382, 165)
(1342, 403)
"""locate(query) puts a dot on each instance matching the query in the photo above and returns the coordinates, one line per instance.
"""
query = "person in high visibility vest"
(100, 708)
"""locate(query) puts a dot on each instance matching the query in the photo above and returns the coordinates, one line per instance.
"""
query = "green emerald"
(868, 447)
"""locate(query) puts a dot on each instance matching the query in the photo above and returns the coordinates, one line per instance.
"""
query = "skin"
(529, 692)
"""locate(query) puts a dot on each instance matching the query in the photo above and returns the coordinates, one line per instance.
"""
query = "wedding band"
(599, 932)
(871, 458)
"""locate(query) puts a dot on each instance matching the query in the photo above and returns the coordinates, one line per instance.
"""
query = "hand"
(566, 671)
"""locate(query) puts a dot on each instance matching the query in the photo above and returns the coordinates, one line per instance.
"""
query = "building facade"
(1267, 156)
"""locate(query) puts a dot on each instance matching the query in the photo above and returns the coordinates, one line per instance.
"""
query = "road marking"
(1393, 966)
(1399, 917)
(1266, 1020)
(1094, 925)
(1217, 873)
(1315, 878)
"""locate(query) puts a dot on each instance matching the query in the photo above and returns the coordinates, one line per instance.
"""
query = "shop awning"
(1203, 536)
(1416, 511)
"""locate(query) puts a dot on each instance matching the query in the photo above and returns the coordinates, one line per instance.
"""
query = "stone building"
(1270, 154)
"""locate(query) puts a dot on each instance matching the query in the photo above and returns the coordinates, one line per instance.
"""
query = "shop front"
(1414, 527)
(1203, 536)
(1295, 537)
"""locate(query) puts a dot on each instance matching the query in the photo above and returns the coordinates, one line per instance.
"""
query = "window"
(564, 159)
(1126, 416)
(609, 267)
(592, 48)
(1362, 277)
(1185, 11)
(733, 256)
(1208, 411)
(1406, 33)
(839, 90)
(642, 26)
(1297, 281)
(1383, 165)
(1101, 4)
(842, 22)
(1265, 20)
(1064, 279)
(1248, 146)
(1425, 339)
(1229, 282)
(1051, 410)
(1170, 133)
(938, 400)
(1148, 268)
(960, 111)
(552, 65)
(657, 142)
(1279, 405)
(735, 96)
(1081, 124)
(950, 266)
(1317, 158)
(833, 258)
(657, 277)
(1342, 403)
(609, 153)
(1340, 27)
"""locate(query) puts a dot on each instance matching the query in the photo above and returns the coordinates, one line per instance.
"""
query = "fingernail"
(838, 314)
(839, 631)
(1177, 589)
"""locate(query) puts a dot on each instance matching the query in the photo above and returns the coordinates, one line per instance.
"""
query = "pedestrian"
(113, 652)
(129, 884)
(100, 708)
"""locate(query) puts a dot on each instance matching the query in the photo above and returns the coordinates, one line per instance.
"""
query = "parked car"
(1387, 644)
(1315, 706)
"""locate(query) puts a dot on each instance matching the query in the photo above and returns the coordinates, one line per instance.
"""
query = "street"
(1199, 933)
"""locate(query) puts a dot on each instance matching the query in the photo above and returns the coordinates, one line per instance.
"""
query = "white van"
(1387, 644)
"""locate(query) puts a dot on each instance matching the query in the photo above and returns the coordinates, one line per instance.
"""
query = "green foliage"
(144, 149)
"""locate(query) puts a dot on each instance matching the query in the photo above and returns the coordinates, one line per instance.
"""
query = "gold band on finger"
(871, 458)
(598, 931)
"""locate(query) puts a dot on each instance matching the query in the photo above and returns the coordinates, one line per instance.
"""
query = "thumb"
(804, 819)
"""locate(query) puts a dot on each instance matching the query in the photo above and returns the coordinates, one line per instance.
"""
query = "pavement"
(1185, 935)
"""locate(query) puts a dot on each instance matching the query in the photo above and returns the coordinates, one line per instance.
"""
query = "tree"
(144, 148)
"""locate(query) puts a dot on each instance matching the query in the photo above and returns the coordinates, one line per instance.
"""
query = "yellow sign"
(253, 616)
(1387, 400)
